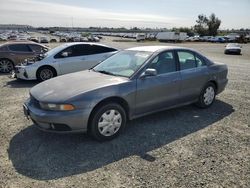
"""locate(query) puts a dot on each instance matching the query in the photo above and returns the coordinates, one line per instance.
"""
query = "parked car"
(13, 53)
(193, 39)
(129, 84)
(233, 48)
(34, 39)
(44, 40)
(63, 40)
(53, 40)
(66, 58)
(218, 39)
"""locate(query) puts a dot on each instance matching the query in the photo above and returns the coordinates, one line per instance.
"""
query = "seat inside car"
(165, 65)
(189, 63)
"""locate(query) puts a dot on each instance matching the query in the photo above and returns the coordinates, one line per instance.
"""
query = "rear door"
(194, 74)
(160, 91)
(70, 62)
(20, 52)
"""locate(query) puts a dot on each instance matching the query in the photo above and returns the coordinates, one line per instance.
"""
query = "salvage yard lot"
(183, 147)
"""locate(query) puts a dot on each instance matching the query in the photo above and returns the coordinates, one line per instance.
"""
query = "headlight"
(57, 107)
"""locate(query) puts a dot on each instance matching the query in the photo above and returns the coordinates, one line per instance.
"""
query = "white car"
(233, 48)
(66, 58)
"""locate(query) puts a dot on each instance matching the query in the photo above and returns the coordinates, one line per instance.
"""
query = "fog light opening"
(52, 126)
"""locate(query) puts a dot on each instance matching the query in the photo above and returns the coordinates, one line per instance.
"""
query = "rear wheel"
(107, 122)
(207, 95)
(45, 73)
(6, 66)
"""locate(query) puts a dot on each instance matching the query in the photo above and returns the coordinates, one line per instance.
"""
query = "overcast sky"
(123, 13)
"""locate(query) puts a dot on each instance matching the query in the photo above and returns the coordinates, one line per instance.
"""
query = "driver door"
(162, 90)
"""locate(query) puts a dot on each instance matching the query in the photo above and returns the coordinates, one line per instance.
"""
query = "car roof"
(156, 48)
(23, 42)
(90, 43)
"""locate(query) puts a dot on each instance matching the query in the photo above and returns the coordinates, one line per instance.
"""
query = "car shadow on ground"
(17, 83)
(47, 156)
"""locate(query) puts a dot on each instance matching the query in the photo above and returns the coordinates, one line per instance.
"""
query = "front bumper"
(222, 85)
(57, 121)
(22, 73)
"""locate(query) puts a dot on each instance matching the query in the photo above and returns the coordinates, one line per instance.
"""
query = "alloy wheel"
(5, 66)
(46, 74)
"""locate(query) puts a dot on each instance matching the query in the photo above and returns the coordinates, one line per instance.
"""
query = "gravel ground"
(183, 147)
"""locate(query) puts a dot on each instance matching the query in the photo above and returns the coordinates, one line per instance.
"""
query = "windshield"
(124, 63)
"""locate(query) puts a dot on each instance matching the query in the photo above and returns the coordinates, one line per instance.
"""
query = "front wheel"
(45, 73)
(207, 96)
(107, 122)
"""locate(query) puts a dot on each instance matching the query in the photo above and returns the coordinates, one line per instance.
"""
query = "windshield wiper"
(105, 72)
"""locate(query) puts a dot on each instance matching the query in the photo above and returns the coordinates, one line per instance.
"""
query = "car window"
(186, 59)
(84, 49)
(199, 61)
(124, 63)
(69, 50)
(164, 63)
(96, 49)
(36, 48)
(19, 48)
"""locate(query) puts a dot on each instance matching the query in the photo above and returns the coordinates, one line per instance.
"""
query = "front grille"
(34, 102)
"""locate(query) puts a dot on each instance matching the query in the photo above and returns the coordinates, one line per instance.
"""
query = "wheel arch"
(215, 84)
(115, 99)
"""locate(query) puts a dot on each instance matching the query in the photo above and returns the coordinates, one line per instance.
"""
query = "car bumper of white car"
(22, 73)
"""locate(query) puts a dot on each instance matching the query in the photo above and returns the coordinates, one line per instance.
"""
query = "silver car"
(130, 84)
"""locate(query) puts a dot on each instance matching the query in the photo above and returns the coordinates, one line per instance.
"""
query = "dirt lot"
(184, 147)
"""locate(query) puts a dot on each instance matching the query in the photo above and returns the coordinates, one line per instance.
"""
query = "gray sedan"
(130, 84)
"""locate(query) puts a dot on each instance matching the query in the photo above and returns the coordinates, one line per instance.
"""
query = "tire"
(6, 65)
(103, 127)
(207, 96)
(45, 73)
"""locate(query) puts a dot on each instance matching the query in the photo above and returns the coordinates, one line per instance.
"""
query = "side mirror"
(149, 72)
(65, 54)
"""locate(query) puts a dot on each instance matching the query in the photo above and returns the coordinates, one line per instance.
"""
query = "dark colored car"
(130, 84)
(13, 53)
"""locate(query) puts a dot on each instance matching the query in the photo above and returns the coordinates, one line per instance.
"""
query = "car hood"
(65, 87)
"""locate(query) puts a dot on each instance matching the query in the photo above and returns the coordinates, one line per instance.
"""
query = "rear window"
(95, 49)
(36, 48)
(19, 48)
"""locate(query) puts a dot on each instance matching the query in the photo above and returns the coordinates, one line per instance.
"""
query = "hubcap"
(110, 122)
(5, 66)
(46, 74)
(208, 96)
